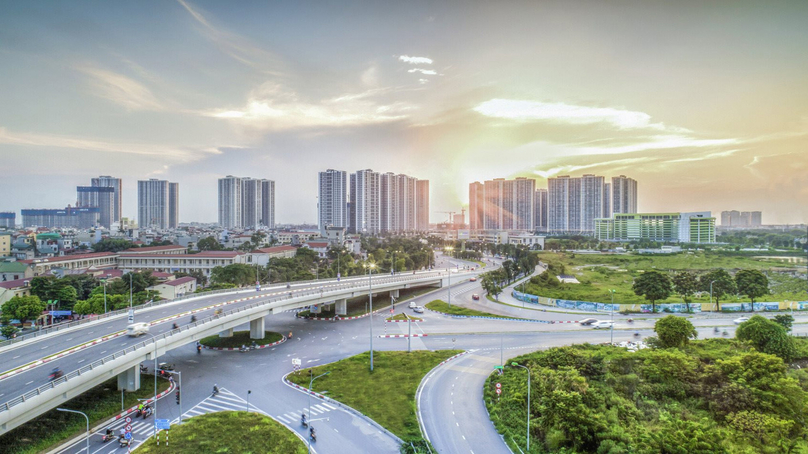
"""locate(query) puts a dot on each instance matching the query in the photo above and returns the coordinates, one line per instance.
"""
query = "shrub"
(767, 336)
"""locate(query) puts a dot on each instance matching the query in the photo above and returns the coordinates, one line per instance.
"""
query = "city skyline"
(705, 105)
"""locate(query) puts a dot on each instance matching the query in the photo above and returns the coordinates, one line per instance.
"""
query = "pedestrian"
(290, 334)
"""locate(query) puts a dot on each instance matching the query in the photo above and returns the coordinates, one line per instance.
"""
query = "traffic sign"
(128, 428)
(128, 419)
(128, 435)
(499, 385)
(162, 424)
(131, 315)
(499, 391)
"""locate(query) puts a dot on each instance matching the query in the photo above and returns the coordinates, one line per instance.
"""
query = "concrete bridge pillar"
(394, 293)
(130, 379)
(226, 333)
(257, 328)
(342, 307)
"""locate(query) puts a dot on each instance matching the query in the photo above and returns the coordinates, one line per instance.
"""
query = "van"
(412, 305)
(136, 329)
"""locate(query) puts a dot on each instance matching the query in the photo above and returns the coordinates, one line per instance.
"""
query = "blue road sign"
(162, 424)
(128, 435)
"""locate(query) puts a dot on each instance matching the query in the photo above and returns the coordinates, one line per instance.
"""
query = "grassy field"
(386, 395)
(404, 317)
(240, 338)
(442, 306)
(600, 273)
(359, 305)
(228, 432)
(53, 427)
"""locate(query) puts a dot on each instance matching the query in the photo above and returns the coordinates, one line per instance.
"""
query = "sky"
(705, 104)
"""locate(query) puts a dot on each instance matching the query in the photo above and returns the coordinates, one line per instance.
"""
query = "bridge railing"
(5, 406)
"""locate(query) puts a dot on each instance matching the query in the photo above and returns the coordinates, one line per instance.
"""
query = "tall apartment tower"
(230, 202)
(540, 210)
(106, 181)
(97, 197)
(365, 193)
(563, 204)
(406, 203)
(390, 199)
(251, 203)
(422, 205)
(268, 203)
(592, 192)
(476, 205)
(607, 200)
(624, 195)
(332, 199)
(156, 203)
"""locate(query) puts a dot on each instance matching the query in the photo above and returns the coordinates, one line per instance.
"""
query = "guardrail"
(89, 367)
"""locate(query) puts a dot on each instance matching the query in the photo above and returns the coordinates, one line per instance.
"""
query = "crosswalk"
(293, 418)
(223, 401)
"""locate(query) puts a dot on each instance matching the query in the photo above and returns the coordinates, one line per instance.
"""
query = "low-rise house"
(175, 288)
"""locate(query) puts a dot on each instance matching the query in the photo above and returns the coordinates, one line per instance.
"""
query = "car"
(418, 309)
(474, 279)
(740, 320)
(475, 296)
(588, 321)
(602, 325)
(137, 329)
(412, 305)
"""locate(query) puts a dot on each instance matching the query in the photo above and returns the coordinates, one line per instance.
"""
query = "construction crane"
(451, 216)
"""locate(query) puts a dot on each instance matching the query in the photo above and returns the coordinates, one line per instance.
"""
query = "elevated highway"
(119, 356)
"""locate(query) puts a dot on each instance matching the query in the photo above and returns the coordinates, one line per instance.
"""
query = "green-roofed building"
(11, 271)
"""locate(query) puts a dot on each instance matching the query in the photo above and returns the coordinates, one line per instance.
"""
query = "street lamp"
(88, 424)
(154, 402)
(514, 364)
(611, 328)
(711, 294)
(311, 390)
(370, 267)
(104, 281)
(449, 273)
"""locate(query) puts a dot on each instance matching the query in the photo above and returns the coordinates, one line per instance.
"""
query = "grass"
(100, 403)
(618, 272)
(228, 432)
(404, 317)
(386, 395)
(442, 306)
(359, 305)
(240, 338)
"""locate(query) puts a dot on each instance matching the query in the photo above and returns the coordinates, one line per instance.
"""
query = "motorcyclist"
(55, 373)
(174, 326)
(215, 389)
(303, 419)
(254, 345)
(193, 318)
(312, 433)
(243, 348)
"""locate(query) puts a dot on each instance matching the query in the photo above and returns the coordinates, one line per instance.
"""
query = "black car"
(588, 321)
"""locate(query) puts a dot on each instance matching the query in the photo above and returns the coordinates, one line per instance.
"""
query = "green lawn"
(100, 403)
(228, 432)
(442, 306)
(404, 317)
(618, 272)
(386, 395)
(240, 338)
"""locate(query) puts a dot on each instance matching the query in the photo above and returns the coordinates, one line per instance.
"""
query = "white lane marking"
(16, 357)
(464, 437)
(43, 348)
(81, 361)
(458, 424)
(29, 383)
(329, 406)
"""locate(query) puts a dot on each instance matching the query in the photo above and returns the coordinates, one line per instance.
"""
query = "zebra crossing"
(223, 401)
(293, 418)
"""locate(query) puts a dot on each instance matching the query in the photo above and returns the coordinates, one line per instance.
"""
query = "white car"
(412, 305)
(418, 309)
(740, 320)
(602, 325)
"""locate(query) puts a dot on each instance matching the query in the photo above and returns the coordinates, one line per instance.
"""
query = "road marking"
(43, 348)
(29, 383)
(81, 361)
(464, 437)
(103, 352)
(16, 357)
(458, 424)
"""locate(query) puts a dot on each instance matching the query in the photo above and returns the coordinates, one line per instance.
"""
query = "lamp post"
(711, 294)
(611, 328)
(154, 402)
(528, 401)
(179, 391)
(311, 384)
(104, 281)
(370, 267)
(88, 424)
(449, 274)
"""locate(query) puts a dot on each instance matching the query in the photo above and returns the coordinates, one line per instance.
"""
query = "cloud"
(370, 76)
(423, 81)
(566, 113)
(121, 90)
(173, 153)
(426, 72)
(415, 60)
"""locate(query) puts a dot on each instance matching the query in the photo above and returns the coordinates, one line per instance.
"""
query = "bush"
(767, 337)
(674, 332)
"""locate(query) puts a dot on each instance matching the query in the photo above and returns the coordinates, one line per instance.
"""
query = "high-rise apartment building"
(540, 210)
(476, 205)
(365, 194)
(332, 199)
(592, 188)
(406, 204)
(247, 203)
(70, 217)
(607, 200)
(563, 204)
(741, 218)
(389, 202)
(501, 204)
(422, 205)
(624, 195)
(158, 201)
(98, 197)
(8, 219)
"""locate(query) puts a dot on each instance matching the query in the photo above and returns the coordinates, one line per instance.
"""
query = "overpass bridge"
(124, 364)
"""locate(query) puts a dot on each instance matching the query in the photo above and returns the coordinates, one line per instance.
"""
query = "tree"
(112, 245)
(784, 320)
(209, 244)
(238, 274)
(686, 284)
(490, 285)
(654, 286)
(674, 331)
(8, 331)
(201, 279)
(723, 284)
(752, 283)
(22, 308)
(767, 337)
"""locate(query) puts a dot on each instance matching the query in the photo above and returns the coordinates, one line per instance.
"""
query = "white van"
(136, 329)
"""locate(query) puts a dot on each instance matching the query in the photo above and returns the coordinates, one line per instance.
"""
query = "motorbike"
(215, 391)
(174, 326)
(147, 412)
(109, 435)
(56, 374)
(313, 434)
(631, 320)
(636, 334)
(139, 413)
(303, 421)
(716, 330)
(124, 442)
(143, 369)
(193, 318)
(243, 349)
(199, 349)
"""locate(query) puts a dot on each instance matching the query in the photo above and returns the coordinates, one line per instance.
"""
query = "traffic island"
(386, 395)
(240, 338)
(54, 427)
(226, 431)
(443, 308)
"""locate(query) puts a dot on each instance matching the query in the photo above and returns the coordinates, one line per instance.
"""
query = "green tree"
(201, 279)
(723, 284)
(490, 285)
(752, 283)
(674, 331)
(653, 286)
(784, 320)
(22, 308)
(767, 337)
(686, 284)
(209, 244)
(239, 274)
(112, 245)
(8, 331)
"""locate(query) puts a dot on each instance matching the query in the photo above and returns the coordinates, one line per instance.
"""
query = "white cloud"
(423, 81)
(415, 60)
(426, 72)
(566, 113)
(121, 90)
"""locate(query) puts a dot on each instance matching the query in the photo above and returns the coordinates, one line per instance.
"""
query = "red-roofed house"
(152, 250)
(17, 287)
(204, 261)
(320, 247)
(176, 287)
(94, 260)
(262, 256)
